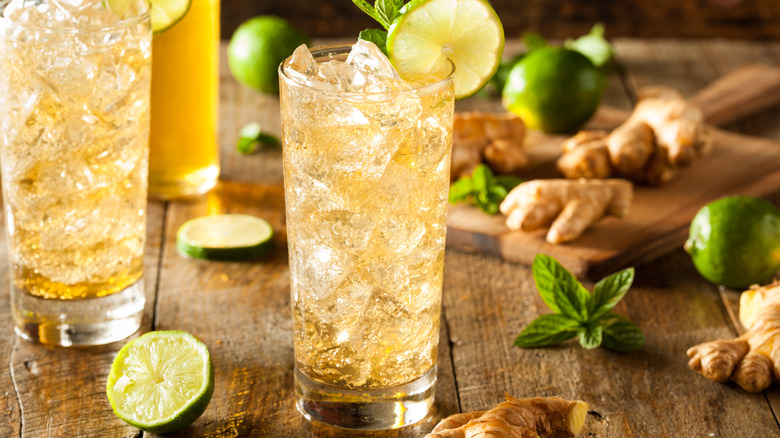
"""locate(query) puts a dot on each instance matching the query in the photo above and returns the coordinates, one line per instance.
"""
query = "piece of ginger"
(493, 138)
(753, 359)
(570, 206)
(536, 417)
(665, 132)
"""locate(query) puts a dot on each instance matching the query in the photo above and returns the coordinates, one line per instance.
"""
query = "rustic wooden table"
(242, 310)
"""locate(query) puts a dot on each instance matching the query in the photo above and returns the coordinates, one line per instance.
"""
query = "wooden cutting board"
(660, 216)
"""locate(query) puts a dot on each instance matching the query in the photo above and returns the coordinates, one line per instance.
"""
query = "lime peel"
(161, 382)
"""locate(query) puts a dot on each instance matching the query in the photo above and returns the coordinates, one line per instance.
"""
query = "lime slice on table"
(161, 382)
(467, 32)
(224, 237)
(162, 13)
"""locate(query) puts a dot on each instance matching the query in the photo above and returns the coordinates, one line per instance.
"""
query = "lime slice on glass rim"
(428, 32)
(224, 237)
(162, 13)
(161, 382)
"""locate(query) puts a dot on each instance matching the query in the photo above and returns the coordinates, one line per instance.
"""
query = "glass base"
(194, 184)
(67, 323)
(378, 409)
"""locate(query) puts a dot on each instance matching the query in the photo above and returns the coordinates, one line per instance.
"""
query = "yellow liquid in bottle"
(184, 153)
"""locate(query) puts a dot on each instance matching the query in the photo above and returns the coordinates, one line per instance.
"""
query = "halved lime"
(161, 382)
(162, 13)
(467, 32)
(225, 237)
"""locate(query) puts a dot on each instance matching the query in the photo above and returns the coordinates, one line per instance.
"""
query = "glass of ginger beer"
(184, 152)
(366, 175)
(74, 117)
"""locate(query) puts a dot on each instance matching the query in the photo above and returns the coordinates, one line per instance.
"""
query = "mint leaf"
(368, 9)
(481, 177)
(533, 41)
(376, 36)
(251, 136)
(508, 182)
(590, 337)
(593, 46)
(608, 292)
(482, 189)
(620, 334)
(388, 10)
(547, 330)
(460, 190)
(559, 289)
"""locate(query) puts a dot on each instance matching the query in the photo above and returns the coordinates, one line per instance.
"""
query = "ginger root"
(753, 359)
(536, 417)
(570, 206)
(493, 138)
(665, 132)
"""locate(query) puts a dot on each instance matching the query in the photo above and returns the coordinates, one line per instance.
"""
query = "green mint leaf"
(496, 192)
(251, 135)
(481, 177)
(533, 41)
(559, 289)
(593, 45)
(620, 334)
(608, 292)
(460, 190)
(368, 9)
(591, 336)
(376, 36)
(508, 182)
(547, 330)
(488, 207)
(388, 10)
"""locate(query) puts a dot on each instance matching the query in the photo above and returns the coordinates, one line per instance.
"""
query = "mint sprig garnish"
(578, 313)
(251, 136)
(483, 189)
(385, 12)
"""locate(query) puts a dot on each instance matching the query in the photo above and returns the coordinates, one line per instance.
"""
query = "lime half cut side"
(162, 13)
(429, 32)
(225, 237)
(161, 382)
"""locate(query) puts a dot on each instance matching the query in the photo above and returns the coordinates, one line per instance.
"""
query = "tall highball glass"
(366, 177)
(74, 129)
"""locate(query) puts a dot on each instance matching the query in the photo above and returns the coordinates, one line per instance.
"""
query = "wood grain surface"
(241, 310)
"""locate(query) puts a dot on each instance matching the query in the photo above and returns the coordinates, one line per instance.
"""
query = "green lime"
(161, 382)
(554, 89)
(162, 13)
(225, 237)
(735, 241)
(258, 47)
(430, 32)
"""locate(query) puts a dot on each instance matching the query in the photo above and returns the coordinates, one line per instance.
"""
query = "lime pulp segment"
(430, 32)
(162, 13)
(161, 381)
(225, 237)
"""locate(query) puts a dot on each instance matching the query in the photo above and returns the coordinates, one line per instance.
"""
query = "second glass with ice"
(366, 171)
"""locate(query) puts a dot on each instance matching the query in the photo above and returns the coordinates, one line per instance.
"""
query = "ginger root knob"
(536, 417)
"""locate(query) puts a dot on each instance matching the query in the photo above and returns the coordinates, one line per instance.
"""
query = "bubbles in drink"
(74, 154)
(365, 157)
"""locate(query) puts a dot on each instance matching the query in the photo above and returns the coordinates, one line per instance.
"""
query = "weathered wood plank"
(62, 390)
(650, 392)
(242, 312)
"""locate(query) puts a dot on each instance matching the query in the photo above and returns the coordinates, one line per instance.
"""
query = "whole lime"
(554, 89)
(735, 241)
(257, 48)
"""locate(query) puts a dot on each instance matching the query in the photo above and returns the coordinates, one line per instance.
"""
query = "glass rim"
(75, 29)
(333, 50)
